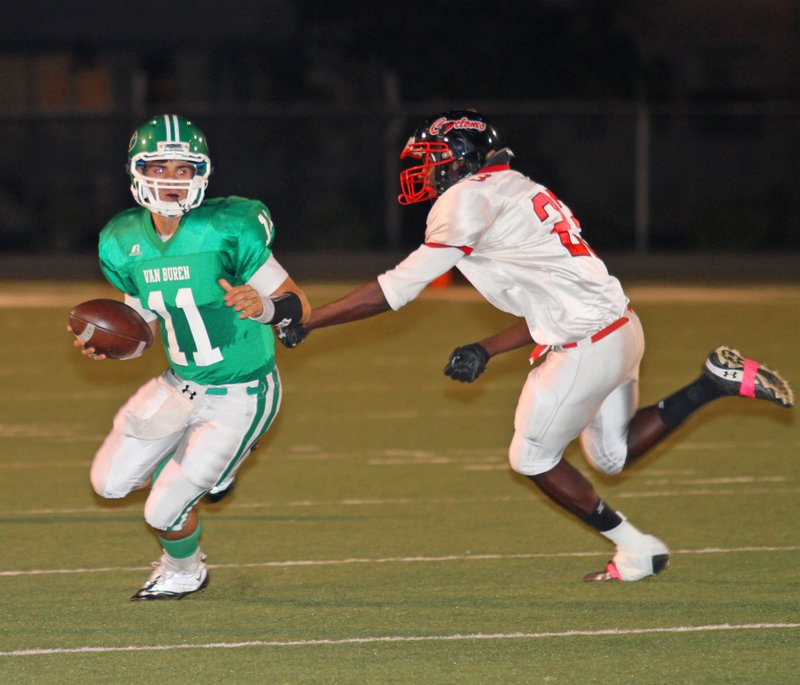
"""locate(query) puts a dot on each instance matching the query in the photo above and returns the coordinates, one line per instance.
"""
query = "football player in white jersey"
(203, 274)
(522, 249)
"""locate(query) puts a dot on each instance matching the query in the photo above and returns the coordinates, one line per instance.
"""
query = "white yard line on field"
(418, 501)
(456, 637)
(399, 560)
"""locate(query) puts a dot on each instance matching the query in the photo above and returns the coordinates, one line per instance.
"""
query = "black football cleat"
(220, 492)
(736, 375)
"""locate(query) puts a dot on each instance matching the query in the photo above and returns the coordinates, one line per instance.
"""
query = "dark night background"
(666, 126)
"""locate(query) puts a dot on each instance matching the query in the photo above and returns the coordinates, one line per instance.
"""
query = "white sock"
(625, 535)
(186, 565)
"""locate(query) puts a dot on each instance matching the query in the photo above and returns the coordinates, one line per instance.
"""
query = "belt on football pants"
(541, 350)
(192, 390)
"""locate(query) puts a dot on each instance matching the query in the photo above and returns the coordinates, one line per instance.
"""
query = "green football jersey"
(228, 238)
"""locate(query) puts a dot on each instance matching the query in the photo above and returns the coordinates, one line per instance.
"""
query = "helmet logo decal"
(166, 146)
(133, 140)
(442, 125)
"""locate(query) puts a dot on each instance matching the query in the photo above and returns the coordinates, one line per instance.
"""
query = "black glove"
(467, 363)
(291, 336)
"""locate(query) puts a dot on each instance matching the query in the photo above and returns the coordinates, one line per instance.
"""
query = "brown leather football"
(111, 327)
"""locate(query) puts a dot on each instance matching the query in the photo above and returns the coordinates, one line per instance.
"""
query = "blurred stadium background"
(671, 129)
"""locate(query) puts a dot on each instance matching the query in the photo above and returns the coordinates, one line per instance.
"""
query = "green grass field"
(377, 534)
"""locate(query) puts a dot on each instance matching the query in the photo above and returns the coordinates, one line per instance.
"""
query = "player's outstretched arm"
(361, 303)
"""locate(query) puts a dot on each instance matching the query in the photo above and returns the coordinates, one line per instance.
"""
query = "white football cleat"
(649, 559)
(168, 581)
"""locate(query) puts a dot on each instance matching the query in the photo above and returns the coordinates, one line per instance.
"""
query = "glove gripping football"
(467, 363)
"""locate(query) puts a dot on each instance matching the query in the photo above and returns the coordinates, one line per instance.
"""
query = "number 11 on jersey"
(204, 355)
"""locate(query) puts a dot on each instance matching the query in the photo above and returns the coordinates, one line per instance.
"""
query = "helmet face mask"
(161, 139)
(415, 181)
(451, 146)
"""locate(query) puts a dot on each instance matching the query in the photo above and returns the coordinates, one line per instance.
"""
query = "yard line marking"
(121, 509)
(726, 446)
(727, 480)
(400, 560)
(47, 465)
(706, 491)
(456, 637)
(376, 501)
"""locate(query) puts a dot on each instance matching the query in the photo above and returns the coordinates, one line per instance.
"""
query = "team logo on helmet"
(179, 147)
(443, 125)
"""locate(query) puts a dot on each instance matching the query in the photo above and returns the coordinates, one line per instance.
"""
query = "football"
(111, 327)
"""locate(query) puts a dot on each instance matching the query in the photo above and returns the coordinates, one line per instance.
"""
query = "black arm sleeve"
(288, 310)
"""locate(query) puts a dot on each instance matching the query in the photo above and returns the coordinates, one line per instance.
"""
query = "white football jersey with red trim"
(522, 250)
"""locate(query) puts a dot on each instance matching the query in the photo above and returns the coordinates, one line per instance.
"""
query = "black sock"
(603, 518)
(676, 408)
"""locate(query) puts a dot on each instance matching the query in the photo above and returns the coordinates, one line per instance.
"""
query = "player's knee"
(202, 475)
(168, 508)
(156, 517)
(157, 523)
(105, 485)
(611, 464)
(530, 458)
(607, 460)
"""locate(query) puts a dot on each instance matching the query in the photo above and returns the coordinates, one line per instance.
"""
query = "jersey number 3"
(547, 207)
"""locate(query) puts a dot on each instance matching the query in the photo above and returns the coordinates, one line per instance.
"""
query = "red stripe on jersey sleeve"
(464, 248)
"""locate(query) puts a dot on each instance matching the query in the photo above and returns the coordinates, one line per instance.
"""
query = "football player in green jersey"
(202, 273)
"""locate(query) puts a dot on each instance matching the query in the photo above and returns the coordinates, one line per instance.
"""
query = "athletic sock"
(603, 518)
(185, 547)
(625, 535)
(676, 408)
(614, 526)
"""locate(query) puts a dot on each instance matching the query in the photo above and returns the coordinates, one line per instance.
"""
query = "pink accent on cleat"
(610, 572)
(749, 372)
(736, 375)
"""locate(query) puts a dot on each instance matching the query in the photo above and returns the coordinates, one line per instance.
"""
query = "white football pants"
(591, 391)
(208, 430)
